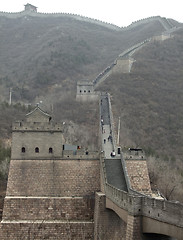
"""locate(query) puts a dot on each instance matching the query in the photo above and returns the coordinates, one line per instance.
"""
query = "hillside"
(43, 58)
(149, 99)
(149, 102)
(37, 53)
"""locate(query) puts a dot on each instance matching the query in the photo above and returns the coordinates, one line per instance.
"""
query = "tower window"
(36, 150)
(23, 150)
(50, 150)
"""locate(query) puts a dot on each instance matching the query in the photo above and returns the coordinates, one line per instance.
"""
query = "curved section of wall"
(165, 22)
(77, 17)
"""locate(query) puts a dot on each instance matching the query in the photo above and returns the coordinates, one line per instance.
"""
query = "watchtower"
(29, 7)
(36, 137)
(50, 190)
(85, 91)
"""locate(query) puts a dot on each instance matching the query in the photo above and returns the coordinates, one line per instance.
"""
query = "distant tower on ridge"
(29, 7)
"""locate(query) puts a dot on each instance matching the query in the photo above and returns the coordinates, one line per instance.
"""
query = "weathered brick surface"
(46, 230)
(108, 226)
(58, 191)
(123, 65)
(49, 208)
(133, 231)
(53, 177)
(44, 140)
(138, 175)
(48, 196)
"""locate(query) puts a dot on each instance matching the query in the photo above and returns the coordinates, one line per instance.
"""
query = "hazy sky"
(118, 12)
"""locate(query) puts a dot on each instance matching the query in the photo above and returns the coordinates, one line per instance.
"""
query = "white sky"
(118, 12)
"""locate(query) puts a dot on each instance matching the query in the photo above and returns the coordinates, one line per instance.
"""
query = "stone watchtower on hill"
(49, 195)
(36, 137)
(29, 7)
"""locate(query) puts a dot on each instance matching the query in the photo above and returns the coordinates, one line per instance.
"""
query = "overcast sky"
(118, 12)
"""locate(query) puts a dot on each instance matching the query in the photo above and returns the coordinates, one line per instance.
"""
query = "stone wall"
(41, 139)
(107, 224)
(75, 16)
(133, 231)
(138, 176)
(63, 208)
(52, 230)
(85, 91)
(165, 23)
(50, 199)
(123, 66)
(65, 178)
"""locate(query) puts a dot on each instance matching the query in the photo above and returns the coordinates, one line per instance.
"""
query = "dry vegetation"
(42, 59)
(149, 102)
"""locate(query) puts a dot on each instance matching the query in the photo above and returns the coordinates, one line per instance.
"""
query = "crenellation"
(26, 126)
(165, 23)
(55, 193)
(48, 185)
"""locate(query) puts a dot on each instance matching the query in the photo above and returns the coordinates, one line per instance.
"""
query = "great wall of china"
(55, 194)
(166, 23)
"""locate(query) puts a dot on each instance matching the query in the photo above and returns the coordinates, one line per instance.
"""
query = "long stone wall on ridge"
(165, 23)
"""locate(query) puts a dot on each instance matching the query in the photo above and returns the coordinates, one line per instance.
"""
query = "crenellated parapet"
(157, 214)
(37, 137)
(167, 24)
(36, 126)
(80, 155)
(85, 91)
(43, 15)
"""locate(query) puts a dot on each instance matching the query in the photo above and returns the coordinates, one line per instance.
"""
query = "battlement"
(84, 87)
(37, 137)
(134, 154)
(37, 126)
(31, 13)
(159, 209)
(85, 91)
(31, 10)
(80, 155)
(29, 7)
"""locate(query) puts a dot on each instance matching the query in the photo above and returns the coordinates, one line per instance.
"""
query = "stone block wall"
(30, 140)
(133, 231)
(63, 178)
(138, 176)
(123, 65)
(107, 224)
(51, 230)
(68, 208)
(50, 199)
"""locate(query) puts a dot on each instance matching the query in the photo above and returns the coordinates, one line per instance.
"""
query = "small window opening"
(36, 150)
(80, 91)
(50, 150)
(89, 91)
(23, 150)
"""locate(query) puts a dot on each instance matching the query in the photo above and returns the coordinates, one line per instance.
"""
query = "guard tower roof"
(38, 115)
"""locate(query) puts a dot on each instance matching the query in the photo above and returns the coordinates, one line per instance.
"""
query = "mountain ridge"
(43, 58)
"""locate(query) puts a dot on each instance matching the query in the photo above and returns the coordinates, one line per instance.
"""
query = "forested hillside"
(38, 53)
(42, 59)
(149, 102)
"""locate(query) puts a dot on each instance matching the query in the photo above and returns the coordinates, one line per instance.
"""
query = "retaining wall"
(52, 230)
(65, 178)
(52, 208)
